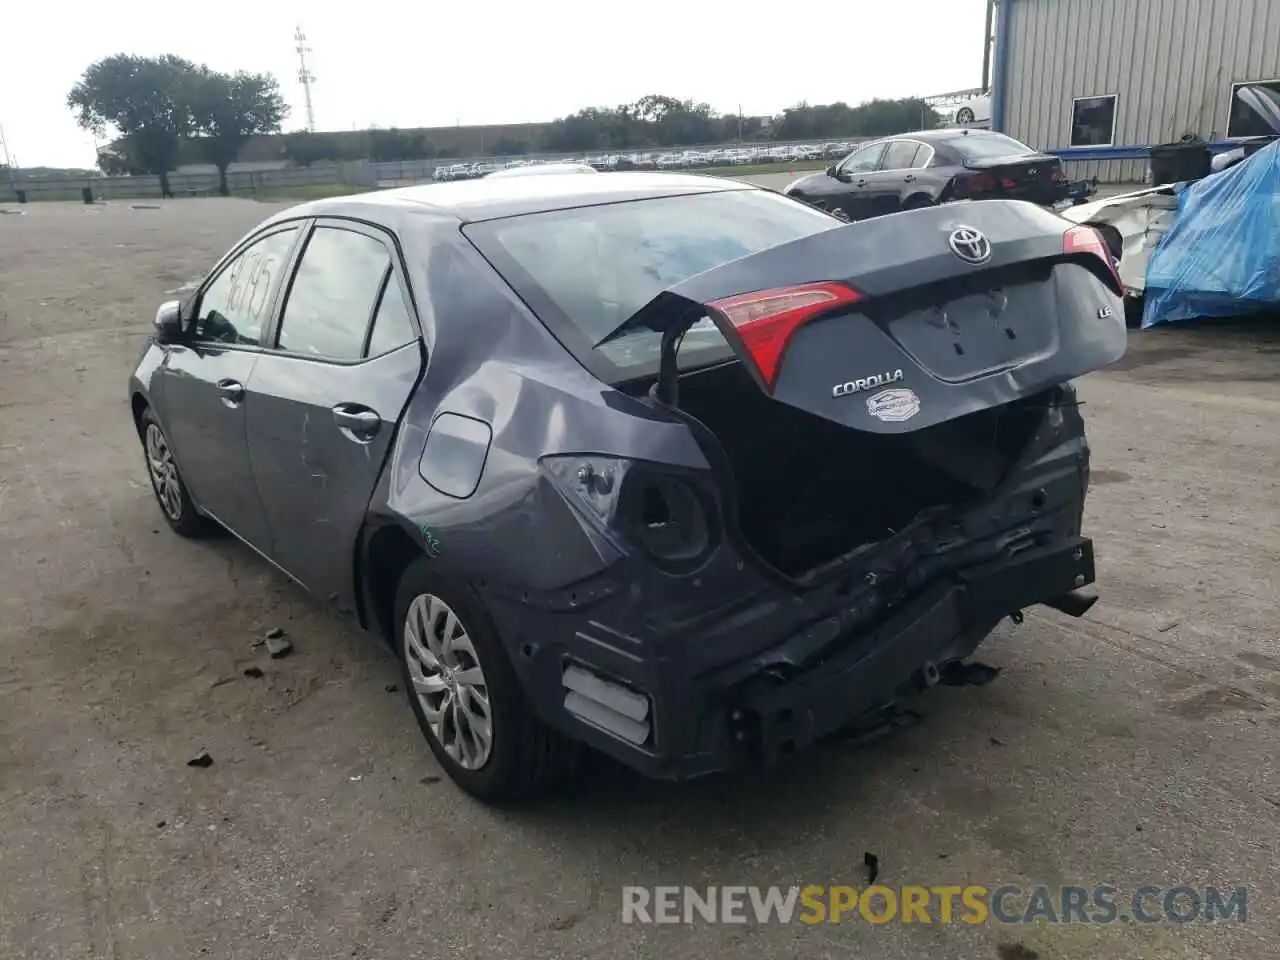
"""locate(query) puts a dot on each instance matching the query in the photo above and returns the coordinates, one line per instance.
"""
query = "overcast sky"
(391, 63)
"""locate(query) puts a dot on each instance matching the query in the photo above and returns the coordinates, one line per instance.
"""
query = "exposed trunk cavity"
(810, 490)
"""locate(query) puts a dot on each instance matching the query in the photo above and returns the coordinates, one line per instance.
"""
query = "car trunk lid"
(910, 320)
(1035, 177)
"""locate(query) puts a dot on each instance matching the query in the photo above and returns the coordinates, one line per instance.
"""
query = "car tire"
(964, 115)
(170, 489)
(476, 693)
(917, 203)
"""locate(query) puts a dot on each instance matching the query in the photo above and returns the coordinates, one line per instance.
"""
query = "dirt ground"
(1136, 746)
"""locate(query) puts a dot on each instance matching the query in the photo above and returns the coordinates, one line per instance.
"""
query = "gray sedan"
(672, 467)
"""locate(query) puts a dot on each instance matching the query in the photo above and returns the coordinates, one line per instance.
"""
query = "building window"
(1244, 121)
(1093, 121)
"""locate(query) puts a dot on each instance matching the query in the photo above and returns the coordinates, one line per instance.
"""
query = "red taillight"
(767, 319)
(980, 183)
(1082, 239)
(1057, 176)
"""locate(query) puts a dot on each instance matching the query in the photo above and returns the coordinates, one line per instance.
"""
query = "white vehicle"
(975, 110)
(543, 170)
(1133, 223)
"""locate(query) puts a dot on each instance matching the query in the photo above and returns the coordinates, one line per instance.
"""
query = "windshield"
(585, 271)
(987, 146)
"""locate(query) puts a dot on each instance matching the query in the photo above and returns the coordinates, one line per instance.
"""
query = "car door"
(202, 381)
(848, 195)
(325, 398)
(888, 186)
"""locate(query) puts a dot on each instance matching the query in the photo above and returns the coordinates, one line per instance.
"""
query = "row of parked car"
(663, 160)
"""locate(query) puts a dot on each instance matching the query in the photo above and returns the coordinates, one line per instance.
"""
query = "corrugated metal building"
(1099, 81)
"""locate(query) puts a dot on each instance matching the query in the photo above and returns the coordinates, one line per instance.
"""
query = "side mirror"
(168, 322)
(831, 170)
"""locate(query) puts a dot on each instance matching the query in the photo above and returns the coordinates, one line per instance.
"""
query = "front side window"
(1093, 121)
(331, 299)
(864, 160)
(236, 306)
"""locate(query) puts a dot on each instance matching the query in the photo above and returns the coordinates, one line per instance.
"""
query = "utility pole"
(987, 40)
(5, 158)
(305, 76)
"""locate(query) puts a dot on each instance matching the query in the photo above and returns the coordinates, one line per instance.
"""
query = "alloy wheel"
(164, 473)
(448, 681)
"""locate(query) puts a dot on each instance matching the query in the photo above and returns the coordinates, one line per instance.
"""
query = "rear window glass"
(585, 271)
(987, 146)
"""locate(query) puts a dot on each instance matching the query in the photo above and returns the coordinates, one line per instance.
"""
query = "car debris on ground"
(278, 644)
(201, 759)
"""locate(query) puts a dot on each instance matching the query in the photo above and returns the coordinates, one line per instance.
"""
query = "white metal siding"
(1171, 63)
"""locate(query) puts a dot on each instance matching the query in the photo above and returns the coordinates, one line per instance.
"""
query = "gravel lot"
(1135, 746)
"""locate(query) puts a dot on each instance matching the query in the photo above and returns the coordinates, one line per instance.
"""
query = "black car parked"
(915, 170)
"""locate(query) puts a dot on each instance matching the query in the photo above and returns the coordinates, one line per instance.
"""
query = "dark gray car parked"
(668, 465)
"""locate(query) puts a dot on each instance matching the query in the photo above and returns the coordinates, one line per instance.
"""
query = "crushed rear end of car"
(896, 462)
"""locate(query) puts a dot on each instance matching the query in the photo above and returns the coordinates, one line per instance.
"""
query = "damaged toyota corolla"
(671, 466)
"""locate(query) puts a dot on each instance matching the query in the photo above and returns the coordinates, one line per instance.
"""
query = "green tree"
(508, 147)
(577, 132)
(677, 122)
(146, 99)
(229, 109)
(394, 144)
(882, 118)
(305, 149)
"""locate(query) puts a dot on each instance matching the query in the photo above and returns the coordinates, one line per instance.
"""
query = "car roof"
(543, 170)
(491, 198)
(942, 135)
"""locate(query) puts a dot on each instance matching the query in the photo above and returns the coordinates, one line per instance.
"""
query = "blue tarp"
(1221, 258)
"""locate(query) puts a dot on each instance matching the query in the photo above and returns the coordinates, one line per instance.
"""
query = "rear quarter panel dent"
(490, 360)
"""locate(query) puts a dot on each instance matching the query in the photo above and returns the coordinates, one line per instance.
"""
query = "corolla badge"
(894, 406)
(970, 244)
(871, 382)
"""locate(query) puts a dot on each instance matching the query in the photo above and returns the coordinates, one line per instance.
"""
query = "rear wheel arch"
(388, 553)
(527, 756)
(917, 200)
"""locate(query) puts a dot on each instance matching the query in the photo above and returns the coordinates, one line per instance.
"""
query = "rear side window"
(981, 145)
(333, 294)
(392, 327)
(584, 271)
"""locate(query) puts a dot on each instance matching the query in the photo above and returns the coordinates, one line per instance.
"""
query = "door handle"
(909, 178)
(232, 392)
(860, 183)
(360, 423)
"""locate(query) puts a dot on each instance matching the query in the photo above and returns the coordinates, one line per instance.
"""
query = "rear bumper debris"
(672, 716)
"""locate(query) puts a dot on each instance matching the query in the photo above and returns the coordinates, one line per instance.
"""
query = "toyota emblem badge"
(970, 245)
